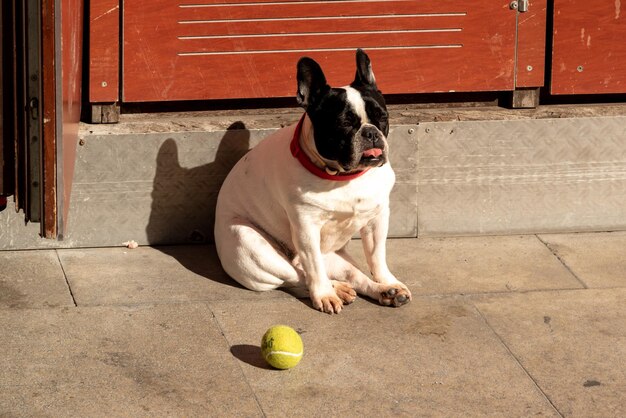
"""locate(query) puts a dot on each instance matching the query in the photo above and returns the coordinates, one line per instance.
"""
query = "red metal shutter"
(214, 49)
(589, 52)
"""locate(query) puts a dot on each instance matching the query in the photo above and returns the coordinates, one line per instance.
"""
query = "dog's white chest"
(340, 227)
(350, 211)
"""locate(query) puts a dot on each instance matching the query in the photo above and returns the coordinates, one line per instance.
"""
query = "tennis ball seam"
(284, 353)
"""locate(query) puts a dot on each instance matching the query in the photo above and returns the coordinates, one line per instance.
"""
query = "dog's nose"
(370, 133)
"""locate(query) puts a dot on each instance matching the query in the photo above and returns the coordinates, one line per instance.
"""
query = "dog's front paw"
(344, 291)
(329, 304)
(394, 295)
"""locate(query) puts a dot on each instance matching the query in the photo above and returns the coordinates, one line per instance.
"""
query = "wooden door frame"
(50, 69)
(41, 113)
(3, 163)
(62, 22)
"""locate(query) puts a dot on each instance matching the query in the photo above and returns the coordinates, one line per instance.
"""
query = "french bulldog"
(289, 207)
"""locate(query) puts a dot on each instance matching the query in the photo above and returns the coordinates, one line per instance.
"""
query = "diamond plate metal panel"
(403, 199)
(453, 178)
(161, 187)
(522, 176)
(155, 188)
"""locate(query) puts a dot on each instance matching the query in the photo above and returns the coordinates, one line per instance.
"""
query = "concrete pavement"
(499, 326)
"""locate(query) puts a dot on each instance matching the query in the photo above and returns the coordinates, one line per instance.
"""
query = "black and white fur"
(279, 225)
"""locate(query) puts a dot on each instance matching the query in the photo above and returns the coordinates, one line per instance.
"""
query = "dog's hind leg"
(250, 257)
(344, 269)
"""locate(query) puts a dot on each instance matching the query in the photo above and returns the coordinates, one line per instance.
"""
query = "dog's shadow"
(184, 200)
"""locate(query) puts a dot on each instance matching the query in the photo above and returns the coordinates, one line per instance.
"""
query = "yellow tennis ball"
(282, 347)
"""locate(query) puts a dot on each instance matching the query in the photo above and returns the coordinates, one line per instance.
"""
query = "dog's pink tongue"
(374, 152)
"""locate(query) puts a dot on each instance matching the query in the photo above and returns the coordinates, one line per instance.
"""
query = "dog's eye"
(379, 115)
(349, 120)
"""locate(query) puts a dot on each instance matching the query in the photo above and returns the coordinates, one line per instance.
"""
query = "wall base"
(155, 178)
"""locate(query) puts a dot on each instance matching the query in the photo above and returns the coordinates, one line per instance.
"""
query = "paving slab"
(597, 259)
(465, 265)
(428, 358)
(572, 343)
(32, 279)
(107, 276)
(165, 360)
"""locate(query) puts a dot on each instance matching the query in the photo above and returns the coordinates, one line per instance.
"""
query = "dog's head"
(350, 124)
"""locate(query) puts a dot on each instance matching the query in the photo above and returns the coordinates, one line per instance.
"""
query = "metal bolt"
(513, 5)
(580, 68)
(411, 131)
(104, 84)
(529, 68)
(427, 130)
(81, 142)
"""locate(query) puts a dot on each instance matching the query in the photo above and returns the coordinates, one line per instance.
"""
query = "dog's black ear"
(364, 74)
(311, 82)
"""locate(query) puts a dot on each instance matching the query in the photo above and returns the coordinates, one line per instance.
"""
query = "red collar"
(297, 152)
